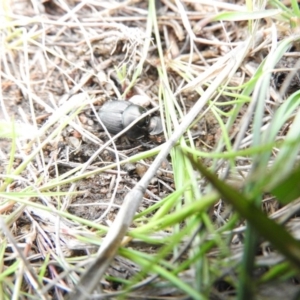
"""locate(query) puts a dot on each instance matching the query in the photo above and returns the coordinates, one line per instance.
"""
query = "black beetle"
(117, 115)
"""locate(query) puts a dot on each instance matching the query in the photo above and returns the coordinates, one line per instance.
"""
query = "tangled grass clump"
(209, 210)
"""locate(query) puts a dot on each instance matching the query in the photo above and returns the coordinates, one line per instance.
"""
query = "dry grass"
(223, 77)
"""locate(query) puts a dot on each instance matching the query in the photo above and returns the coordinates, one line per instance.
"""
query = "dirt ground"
(69, 60)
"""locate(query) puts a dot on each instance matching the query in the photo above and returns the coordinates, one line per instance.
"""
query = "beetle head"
(131, 113)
